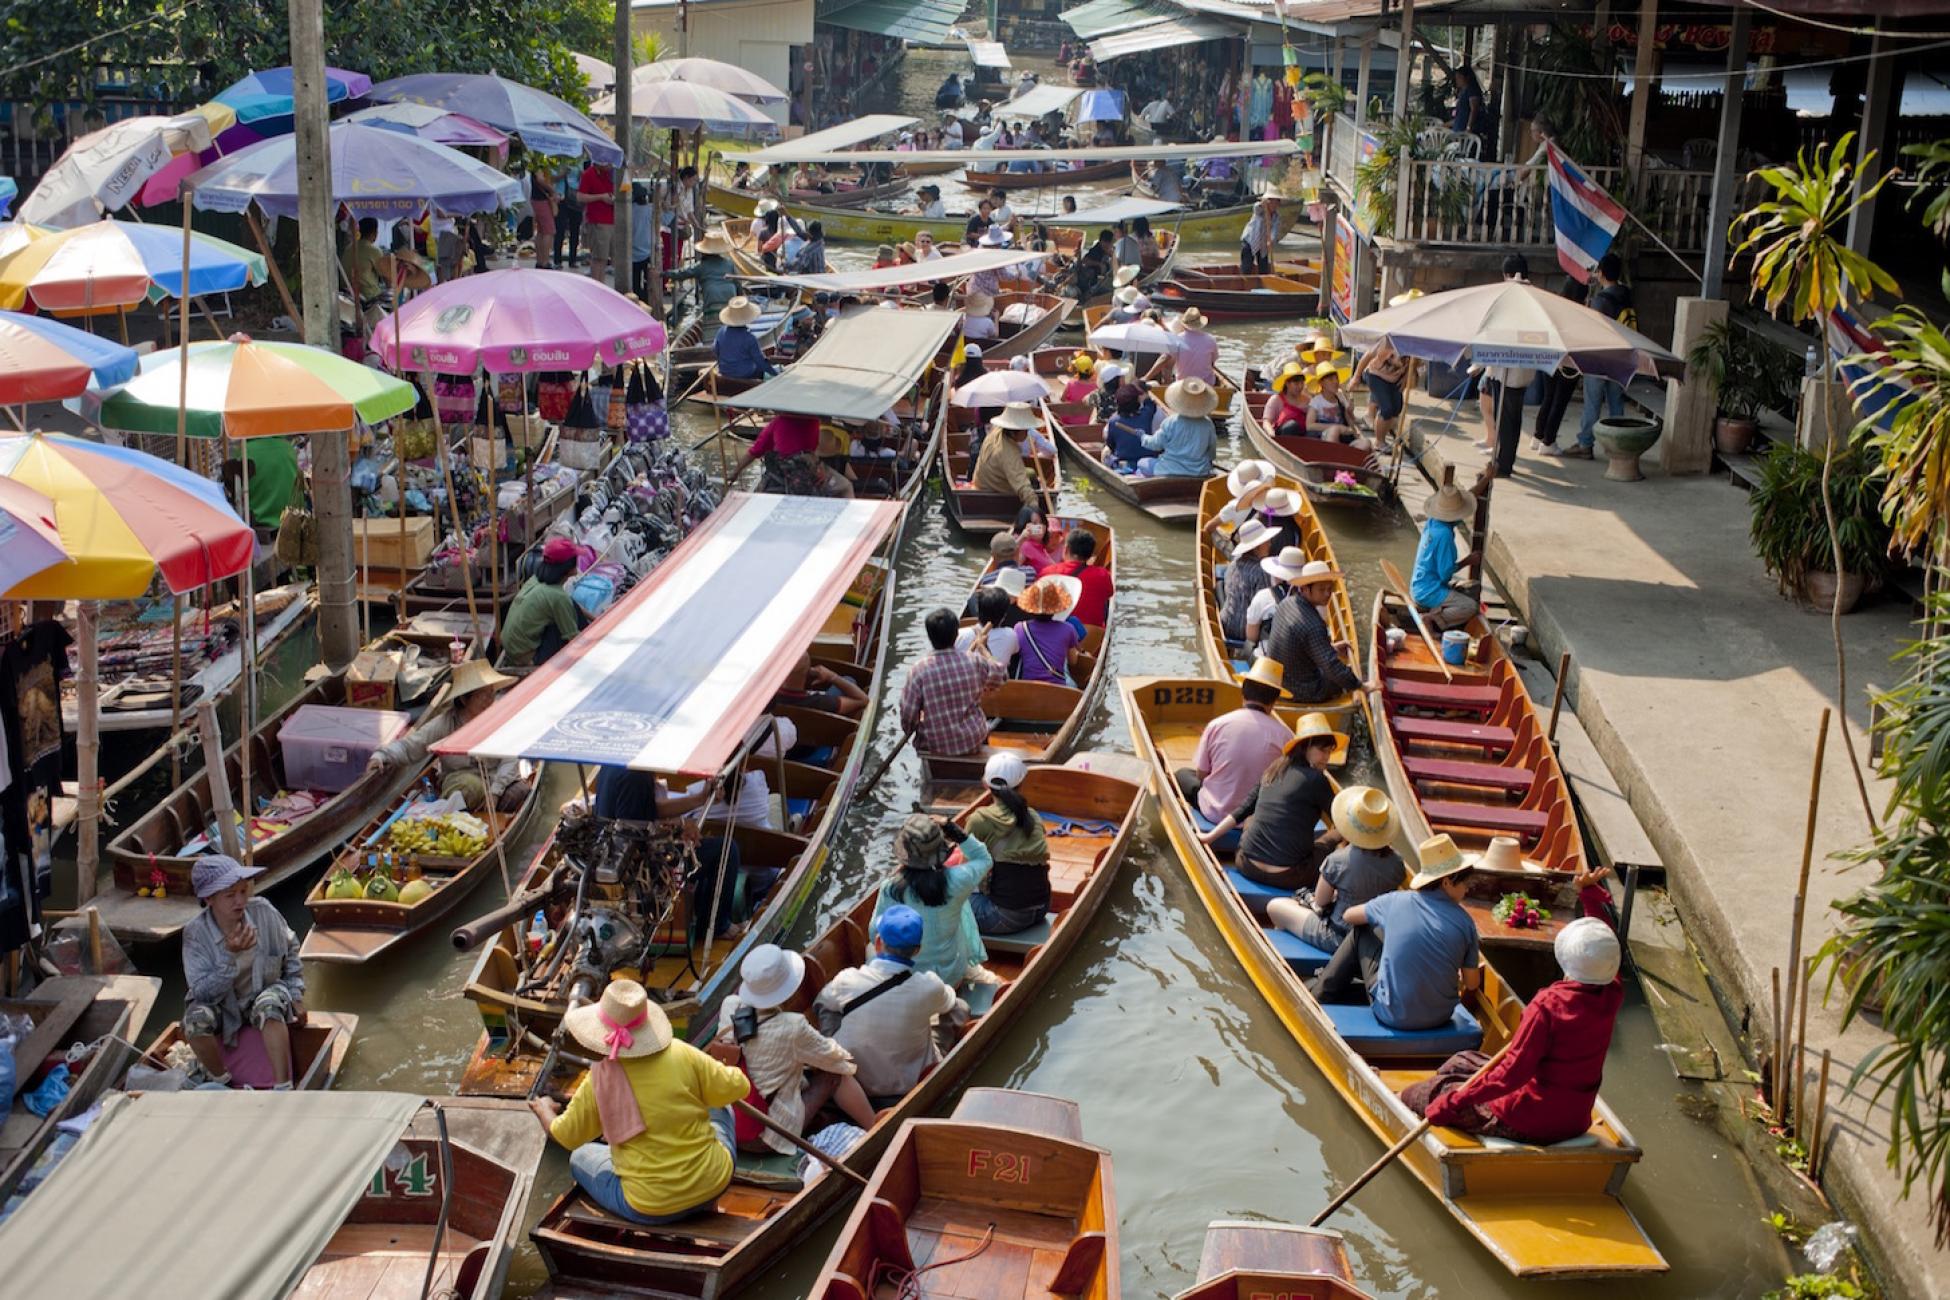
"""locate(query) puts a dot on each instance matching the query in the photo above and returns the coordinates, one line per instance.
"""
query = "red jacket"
(1545, 1085)
(1093, 603)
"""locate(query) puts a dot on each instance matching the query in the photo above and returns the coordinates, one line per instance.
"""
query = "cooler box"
(327, 748)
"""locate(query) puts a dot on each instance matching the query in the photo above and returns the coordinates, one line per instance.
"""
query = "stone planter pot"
(1623, 441)
(1733, 437)
(1822, 585)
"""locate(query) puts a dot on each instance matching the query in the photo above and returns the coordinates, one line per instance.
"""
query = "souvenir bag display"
(619, 400)
(511, 392)
(583, 441)
(645, 417)
(454, 398)
(553, 393)
(599, 393)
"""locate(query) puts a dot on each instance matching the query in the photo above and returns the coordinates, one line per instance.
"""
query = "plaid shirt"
(1305, 649)
(942, 701)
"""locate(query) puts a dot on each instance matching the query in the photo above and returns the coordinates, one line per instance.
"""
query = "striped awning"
(673, 678)
(1162, 36)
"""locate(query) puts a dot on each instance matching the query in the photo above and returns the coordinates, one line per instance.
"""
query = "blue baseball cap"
(900, 928)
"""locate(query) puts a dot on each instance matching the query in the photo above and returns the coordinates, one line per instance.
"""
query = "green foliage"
(1747, 373)
(1582, 103)
(1789, 529)
(1915, 448)
(1933, 183)
(1817, 1286)
(1376, 180)
(1784, 1227)
(1797, 238)
(1325, 95)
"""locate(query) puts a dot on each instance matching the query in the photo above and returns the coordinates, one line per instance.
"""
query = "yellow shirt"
(677, 1162)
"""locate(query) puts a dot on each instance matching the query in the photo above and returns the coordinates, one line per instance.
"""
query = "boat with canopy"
(834, 140)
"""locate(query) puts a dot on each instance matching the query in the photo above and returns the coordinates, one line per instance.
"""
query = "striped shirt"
(1301, 642)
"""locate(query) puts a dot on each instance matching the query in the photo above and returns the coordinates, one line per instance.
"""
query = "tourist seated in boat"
(810, 257)
(996, 615)
(1544, 1088)
(978, 320)
(753, 804)
(924, 247)
(978, 223)
(951, 945)
(810, 685)
(1128, 250)
(1080, 386)
(1068, 206)
(1002, 464)
(1238, 747)
(942, 700)
(1245, 577)
(1094, 581)
(1005, 553)
(1198, 352)
(1032, 538)
(770, 226)
(714, 273)
(1317, 666)
(1363, 868)
(794, 1069)
(1094, 267)
(660, 1107)
(1285, 412)
(1414, 950)
(927, 203)
(1002, 217)
(890, 1017)
(1049, 640)
(1281, 811)
(240, 967)
(470, 691)
(1328, 414)
(1388, 375)
(789, 447)
(1444, 602)
(1185, 442)
(736, 349)
(741, 175)
(543, 617)
(1127, 428)
(1129, 303)
(624, 794)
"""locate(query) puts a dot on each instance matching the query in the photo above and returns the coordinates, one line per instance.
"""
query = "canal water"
(1210, 1109)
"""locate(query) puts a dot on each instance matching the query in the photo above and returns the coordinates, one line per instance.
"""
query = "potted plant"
(1747, 375)
(1790, 531)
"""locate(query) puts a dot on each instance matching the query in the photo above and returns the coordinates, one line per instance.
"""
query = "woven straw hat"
(1192, 398)
(739, 311)
(623, 1009)
(1364, 817)
(1439, 858)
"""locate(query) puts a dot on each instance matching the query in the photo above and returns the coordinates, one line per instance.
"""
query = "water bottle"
(1813, 366)
(537, 932)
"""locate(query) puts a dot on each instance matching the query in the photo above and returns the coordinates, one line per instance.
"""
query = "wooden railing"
(1506, 203)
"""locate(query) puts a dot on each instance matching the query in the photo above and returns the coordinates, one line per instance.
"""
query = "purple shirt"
(1044, 648)
(1197, 356)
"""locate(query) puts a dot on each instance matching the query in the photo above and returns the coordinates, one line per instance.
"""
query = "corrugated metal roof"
(1161, 36)
(1102, 17)
(927, 21)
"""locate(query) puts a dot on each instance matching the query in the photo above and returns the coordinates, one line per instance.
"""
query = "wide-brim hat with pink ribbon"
(626, 1012)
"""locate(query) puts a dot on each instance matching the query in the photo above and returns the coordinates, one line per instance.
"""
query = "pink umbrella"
(515, 322)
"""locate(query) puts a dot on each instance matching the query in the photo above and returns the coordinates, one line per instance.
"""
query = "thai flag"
(1858, 356)
(1587, 218)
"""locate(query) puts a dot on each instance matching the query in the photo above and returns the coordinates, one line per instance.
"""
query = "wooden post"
(248, 649)
(1876, 94)
(1779, 1032)
(1801, 1047)
(215, 775)
(1816, 1137)
(1726, 172)
(1643, 62)
(96, 960)
(182, 432)
(1800, 913)
(453, 508)
(87, 755)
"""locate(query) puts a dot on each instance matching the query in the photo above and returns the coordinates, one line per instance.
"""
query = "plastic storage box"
(326, 748)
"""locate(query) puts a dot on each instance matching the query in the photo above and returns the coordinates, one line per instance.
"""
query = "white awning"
(862, 364)
(1161, 36)
(795, 152)
(892, 277)
(1109, 214)
(989, 54)
(844, 136)
(1038, 100)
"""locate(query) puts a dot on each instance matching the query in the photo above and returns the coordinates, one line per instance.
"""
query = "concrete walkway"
(1702, 688)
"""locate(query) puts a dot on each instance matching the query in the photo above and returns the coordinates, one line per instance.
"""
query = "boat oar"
(1400, 589)
(885, 763)
(1408, 1140)
(750, 1111)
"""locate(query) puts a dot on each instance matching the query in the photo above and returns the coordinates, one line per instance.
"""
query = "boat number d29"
(998, 1166)
(1164, 695)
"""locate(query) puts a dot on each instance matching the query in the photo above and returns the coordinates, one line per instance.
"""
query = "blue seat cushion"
(1372, 1039)
(1227, 843)
(798, 807)
(1251, 889)
(1240, 666)
(1022, 940)
(820, 757)
(1303, 957)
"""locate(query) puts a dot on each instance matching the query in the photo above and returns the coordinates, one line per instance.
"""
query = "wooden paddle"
(750, 1111)
(885, 763)
(1400, 589)
(1408, 1139)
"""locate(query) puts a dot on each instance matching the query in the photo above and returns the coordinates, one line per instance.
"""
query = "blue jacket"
(1185, 447)
(739, 355)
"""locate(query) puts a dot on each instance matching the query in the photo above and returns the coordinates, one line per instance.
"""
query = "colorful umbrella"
(375, 173)
(455, 130)
(1137, 336)
(262, 98)
(104, 170)
(248, 389)
(43, 360)
(124, 516)
(516, 321)
(120, 264)
(14, 235)
(684, 106)
(727, 77)
(29, 541)
(7, 191)
(545, 124)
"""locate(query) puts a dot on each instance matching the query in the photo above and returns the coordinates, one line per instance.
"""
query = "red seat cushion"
(1453, 733)
(1489, 817)
(1459, 772)
(1440, 695)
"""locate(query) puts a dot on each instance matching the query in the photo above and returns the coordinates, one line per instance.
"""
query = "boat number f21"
(998, 1166)
(1164, 695)
(412, 1179)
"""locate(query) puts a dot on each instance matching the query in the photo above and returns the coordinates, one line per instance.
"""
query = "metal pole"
(620, 241)
(87, 755)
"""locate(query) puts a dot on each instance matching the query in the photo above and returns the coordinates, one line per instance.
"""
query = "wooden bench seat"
(1440, 695)
(1489, 817)
(1436, 731)
(1492, 776)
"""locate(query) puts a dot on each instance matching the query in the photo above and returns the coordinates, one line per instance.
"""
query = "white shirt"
(1004, 216)
(892, 1037)
(1157, 110)
(978, 327)
(937, 209)
(951, 135)
(1259, 610)
(1002, 643)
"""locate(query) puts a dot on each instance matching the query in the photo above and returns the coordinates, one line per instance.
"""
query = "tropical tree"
(1804, 268)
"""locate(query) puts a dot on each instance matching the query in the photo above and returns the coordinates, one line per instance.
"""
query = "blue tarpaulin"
(1101, 106)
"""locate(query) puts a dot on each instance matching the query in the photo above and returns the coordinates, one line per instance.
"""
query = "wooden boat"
(1007, 180)
(1316, 464)
(1543, 1212)
(1038, 721)
(689, 362)
(1069, 241)
(140, 701)
(1469, 758)
(1239, 297)
(153, 843)
(318, 1047)
(1255, 1260)
(713, 1255)
(1225, 659)
(1302, 269)
(351, 932)
(1026, 320)
(909, 170)
(987, 1205)
(1169, 500)
(984, 514)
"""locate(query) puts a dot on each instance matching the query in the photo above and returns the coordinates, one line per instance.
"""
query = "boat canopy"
(1101, 106)
(673, 677)
(863, 364)
(1127, 208)
(988, 54)
(844, 136)
(893, 277)
(795, 151)
(1038, 100)
(255, 1183)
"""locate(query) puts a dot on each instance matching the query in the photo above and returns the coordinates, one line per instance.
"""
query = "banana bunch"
(447, 835)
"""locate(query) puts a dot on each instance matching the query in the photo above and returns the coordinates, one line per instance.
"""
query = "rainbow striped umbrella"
(124, 517)
(111, 264)
(43, 360)
(249, 389)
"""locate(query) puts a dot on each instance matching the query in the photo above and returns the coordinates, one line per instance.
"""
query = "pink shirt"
(1233, 754)
(1197, 356)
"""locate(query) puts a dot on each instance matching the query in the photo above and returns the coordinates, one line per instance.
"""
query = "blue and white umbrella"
(689, 106)
(375, 173)
(546, 125)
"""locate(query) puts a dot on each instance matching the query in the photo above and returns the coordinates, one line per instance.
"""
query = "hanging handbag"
(553, 393)
(581, 416)
(618, 413)
(511, 392)
(645, 418)
(599, 390)
(297, 544)
(454, 398)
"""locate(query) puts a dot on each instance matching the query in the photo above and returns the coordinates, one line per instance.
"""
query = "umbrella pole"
(249, 613)
(87, 747)
(494, 518)
(182, 438)
(264, 247)
(453, 509)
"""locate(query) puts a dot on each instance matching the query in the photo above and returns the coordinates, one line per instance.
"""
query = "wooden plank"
(1611, 827)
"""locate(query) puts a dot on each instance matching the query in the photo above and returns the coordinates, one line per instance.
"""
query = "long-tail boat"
(980, 513)
(1239, 297)
(1321, 469)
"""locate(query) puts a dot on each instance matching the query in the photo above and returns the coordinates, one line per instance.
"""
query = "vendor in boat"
(1444, 602)
(1262, 232)
(1164, 182)
(1245, 576)
(890, 1017)
(789, 447)
(240, 966)
(978, 321)
(1415, 950)
(1363, 868)
(1281, 811)
(1316, 665)
(543, 617)
(470, 691)
(1079, 562)
(812, 685)
(951, 944)
(794, 1069)
(1049, 641)
(1328, 414)
(1544, 1087)
(1095, 267)
(1002, 465)
(1081, 386)
(661, 1108)
(942, 700)
(714, 273)
(1016, 896)
(1236, 748)
(736, 349)
(1186, 442)
(623, 794)
(1198, 352)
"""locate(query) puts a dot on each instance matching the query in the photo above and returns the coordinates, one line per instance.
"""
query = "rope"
(908, 1283)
